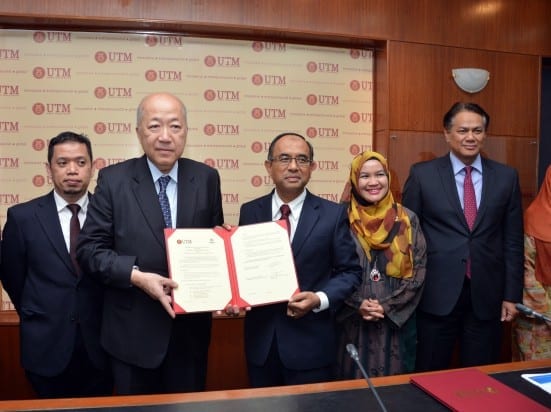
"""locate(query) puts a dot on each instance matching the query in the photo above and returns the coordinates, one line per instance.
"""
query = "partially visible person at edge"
(474, 267)
(532, 337)
(294, 342)
(122, 245)
(59, 307)
(379, 317)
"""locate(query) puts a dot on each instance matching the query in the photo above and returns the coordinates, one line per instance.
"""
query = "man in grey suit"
(474, 258)
(59, 307)
(122, 244)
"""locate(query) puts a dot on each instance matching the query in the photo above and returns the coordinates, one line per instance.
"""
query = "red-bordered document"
(247, 266)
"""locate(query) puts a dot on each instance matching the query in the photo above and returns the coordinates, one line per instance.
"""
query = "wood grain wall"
(417, 43)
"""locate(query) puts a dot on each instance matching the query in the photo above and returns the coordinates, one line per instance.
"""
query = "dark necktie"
(285, 212)
(74, 230)
(163, 200)
(469, 206)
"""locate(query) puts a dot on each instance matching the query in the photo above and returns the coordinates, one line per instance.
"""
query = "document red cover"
(246, 266)
(469, 390)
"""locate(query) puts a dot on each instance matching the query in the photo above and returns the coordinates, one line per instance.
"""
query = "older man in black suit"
(471, 215)
(122, 245)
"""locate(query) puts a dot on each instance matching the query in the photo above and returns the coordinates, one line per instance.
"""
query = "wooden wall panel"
(422, 87)
(506, 25)
(408, 147)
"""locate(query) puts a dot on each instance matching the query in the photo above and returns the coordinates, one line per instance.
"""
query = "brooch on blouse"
(375, 275)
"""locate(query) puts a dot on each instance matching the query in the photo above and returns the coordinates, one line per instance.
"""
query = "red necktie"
(469, 207)
(285, 212)
(74, 230)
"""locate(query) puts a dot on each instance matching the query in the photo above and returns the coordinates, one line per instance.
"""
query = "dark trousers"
(274, 373)
(479, 340)
(184, 368)
(79, 379)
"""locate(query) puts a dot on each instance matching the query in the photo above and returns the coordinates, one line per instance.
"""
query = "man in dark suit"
(59, 308)
(294, 342)
(122, 244)
(474, 264)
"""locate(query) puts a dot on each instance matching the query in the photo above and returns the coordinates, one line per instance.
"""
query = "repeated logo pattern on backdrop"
(239, 95)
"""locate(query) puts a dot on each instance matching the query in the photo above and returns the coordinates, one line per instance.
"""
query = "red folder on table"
(469, 390)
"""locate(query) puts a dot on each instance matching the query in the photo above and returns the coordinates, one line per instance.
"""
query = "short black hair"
(279, 136)
(465, 107)
(64, 137)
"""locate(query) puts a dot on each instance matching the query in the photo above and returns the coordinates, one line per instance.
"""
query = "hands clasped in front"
(371, 310)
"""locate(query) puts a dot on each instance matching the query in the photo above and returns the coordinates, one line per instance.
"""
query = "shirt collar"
(458, 165)
(61, 203)
(156, 173)
(295, 205)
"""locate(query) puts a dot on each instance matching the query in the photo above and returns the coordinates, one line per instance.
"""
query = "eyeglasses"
(302, 161)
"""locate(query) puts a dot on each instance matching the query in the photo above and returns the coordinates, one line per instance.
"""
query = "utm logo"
(9, 127)
(164, 41)
(257, 181)
(221, 129)
(113, 92)
(328, 165)
(322, 67)
(221, 61)
(163, 75)
(268, 80)
(361, 117)
(9, 54)
(363, 85)
(62, 73)
(223, 164)
(221, 95)
(9, 199)
(52, 37)
(101, 162)
(361, 54)
(9, 163)
(356, 149)
(268, 113)
(274, 47)
(9, 90)
(51, 108)
(232, 198)
(323, 132)
(113, 57)
(322, 100)
(112, 128)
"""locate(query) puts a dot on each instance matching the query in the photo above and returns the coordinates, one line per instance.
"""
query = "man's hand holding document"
(245, 266)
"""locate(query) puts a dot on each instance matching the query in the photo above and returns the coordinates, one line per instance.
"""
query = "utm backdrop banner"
(239, 95)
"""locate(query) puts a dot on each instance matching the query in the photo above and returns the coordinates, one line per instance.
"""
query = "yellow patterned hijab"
(373, 222)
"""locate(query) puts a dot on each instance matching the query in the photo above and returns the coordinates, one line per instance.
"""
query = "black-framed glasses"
(301, 160)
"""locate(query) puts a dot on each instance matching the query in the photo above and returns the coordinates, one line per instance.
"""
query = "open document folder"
(245, 266)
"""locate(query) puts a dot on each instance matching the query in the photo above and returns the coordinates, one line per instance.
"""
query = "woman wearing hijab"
(532, 337)
(379, 317)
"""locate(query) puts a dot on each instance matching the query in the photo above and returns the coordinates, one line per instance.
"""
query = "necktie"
(285, 212)
(469, 207)
(469, 198)
(163, 200)
(74, 230)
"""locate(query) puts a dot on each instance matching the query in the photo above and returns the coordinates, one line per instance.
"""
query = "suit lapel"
(449, 188)
(187, 195)
(488, 182)
(47, 216)
(309, 216)
(147, 201)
